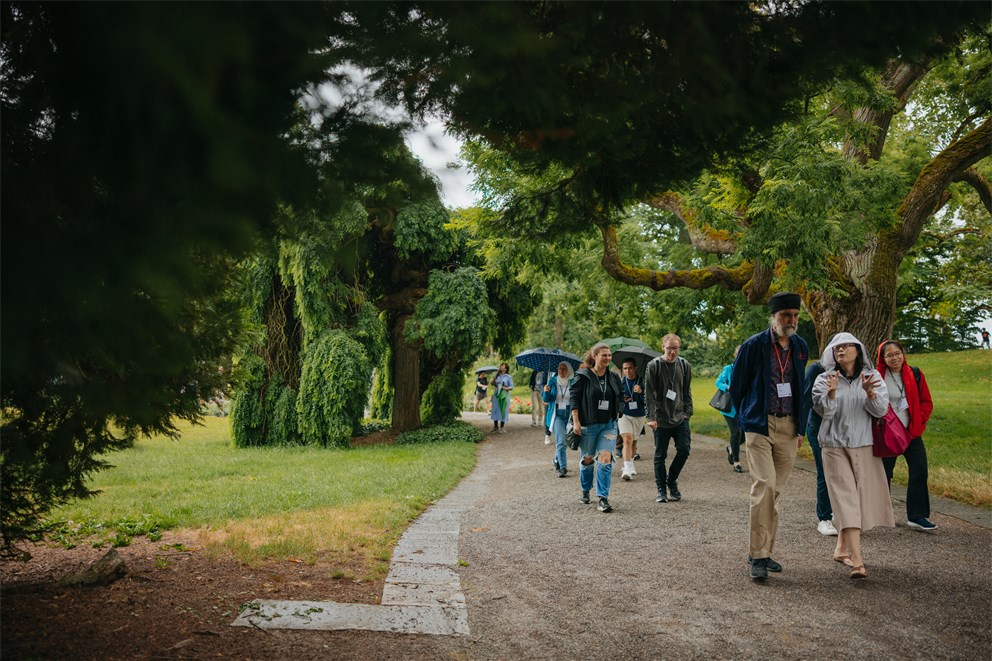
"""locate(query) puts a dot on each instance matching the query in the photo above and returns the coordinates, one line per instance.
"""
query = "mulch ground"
(173, 603)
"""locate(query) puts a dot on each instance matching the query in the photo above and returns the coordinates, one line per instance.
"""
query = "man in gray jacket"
(669, 407)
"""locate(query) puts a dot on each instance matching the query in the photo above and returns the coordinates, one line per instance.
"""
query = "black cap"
(784, 300)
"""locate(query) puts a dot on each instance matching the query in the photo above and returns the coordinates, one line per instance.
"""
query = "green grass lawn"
(958, 437)
(260, 503)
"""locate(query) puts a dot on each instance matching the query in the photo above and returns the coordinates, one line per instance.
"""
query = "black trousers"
(917, 496)
(662, 437)
(735, 437)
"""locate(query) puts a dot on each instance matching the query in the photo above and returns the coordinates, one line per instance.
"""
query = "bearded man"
(766, 388)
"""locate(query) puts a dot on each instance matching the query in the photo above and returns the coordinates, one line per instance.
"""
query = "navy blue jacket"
(751, 381)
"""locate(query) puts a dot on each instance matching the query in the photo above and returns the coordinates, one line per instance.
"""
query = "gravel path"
(548, 577)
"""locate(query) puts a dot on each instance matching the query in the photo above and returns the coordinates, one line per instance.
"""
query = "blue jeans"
(824, 511)
(595, 440)
(560, 420)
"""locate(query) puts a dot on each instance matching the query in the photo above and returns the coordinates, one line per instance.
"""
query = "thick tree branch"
(900, 79)
(735, 279)
(923, 198)
(704, 237)
(981, 185)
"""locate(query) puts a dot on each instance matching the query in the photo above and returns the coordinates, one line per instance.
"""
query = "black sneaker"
(661, 497)
(770, 564)
(637, 457)
(585, 497)
(759, 569)
(673, 490)
(554, 462)
(730, 457)
(562, 472)
(604, 506)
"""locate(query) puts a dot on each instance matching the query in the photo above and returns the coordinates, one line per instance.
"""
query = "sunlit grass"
(258, 503)
(958, 437)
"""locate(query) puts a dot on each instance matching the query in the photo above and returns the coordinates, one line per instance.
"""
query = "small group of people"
(845, 392)
(608, 412)
(499, 409)
(777, 400)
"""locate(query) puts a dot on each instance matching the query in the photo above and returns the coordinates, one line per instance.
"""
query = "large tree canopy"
(612, 108)
(143, 146)
(626, 96)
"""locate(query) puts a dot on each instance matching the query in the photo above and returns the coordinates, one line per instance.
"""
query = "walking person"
(481, 388)
(847, 396)
(909, 397)
(632, 422)
(501, 398)
(537, 412)
(766, 387)
(824, 512)
(667, 383)
(596, 405)
(734, 449)
(557, 395)
(985, 339)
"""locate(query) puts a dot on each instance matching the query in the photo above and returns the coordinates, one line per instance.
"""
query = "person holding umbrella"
(596, 404)
(481, 389)
(501, 398)
(632, 422)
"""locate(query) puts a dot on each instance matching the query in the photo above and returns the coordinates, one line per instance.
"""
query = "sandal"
(859, 572)
(845, 560)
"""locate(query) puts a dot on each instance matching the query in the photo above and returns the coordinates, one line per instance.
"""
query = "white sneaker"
(633, 471)
(627, 471)
(547, 439)
(826, 528)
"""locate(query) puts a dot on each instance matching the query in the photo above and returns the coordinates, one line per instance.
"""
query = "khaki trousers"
(769, 463)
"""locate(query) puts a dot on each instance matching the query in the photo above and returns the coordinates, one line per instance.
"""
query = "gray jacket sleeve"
(687, 390)
(650, 396)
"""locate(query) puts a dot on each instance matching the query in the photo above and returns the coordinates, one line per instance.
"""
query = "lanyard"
(626, 387)
(778, 357)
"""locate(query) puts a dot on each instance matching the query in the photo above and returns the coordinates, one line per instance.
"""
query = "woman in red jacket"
(909, 397)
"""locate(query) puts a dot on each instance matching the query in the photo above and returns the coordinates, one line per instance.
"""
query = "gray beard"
(789, 332)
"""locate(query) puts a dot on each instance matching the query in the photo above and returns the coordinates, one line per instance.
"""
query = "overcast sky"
(438, 150)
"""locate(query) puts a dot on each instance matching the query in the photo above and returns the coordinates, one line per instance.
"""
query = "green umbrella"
(615, 343)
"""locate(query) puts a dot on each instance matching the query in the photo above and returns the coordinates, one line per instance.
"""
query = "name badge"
(562, 406)
(784, 389)
(904, 405)
(632, 405)
(670, 394)
(604, 405)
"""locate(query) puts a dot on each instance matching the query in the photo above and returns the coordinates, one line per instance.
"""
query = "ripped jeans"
(595, 440)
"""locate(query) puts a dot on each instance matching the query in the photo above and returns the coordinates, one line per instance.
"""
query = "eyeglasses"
(892, 355)
(845, 346)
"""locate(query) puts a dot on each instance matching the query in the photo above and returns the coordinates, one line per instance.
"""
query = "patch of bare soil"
(175, 602)
(384, 437)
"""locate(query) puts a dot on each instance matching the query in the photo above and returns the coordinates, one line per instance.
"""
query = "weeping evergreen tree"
(382, 285)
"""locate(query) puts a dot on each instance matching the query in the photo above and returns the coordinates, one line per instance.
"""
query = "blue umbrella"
(546, 360)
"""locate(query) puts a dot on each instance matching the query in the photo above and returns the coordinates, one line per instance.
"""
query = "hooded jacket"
(750, 382)
(918, 397)
(847, 417)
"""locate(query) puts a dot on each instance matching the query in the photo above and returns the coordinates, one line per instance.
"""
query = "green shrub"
(456, 431)
(442, 402)
(334, 384)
